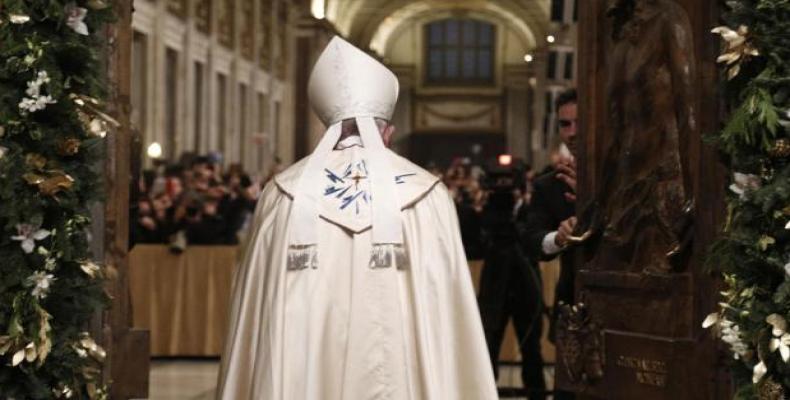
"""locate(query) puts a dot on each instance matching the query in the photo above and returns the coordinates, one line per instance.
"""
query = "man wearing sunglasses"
(552, 215)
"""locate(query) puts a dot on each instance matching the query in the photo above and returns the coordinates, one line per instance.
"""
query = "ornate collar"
(345, 195)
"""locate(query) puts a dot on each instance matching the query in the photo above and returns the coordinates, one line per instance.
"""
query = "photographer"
(510, 284)
(552, 218)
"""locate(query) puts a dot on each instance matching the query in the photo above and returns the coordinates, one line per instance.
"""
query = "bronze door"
(651, 197)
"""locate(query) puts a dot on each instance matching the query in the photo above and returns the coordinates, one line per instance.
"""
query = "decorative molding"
(244, 71)
(579, 345)
(203, 16)
(262, 83)
(406, 73)
(178, 8)
(247, 38)
(199, 46)
(458, 115)
(223, 60)
(283, 16)
(175, 30)
(144, 17)
(278, 90)
(516, 75)
(265, 43)
(226, 23)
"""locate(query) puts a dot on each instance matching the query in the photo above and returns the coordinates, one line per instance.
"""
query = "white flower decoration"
(18, 19)
(787, 269)
(36, 101)
(81, 352)
(40, 281)
(732, 37)
(30, 59)
(781, 339)
(90, 268)
(710, 320)
(3, 151)
(729, 333)
(27, 353)
(758, 372)
(28, 235)
(743, 183)
(75, 17)
(784, 118)
(63, 391)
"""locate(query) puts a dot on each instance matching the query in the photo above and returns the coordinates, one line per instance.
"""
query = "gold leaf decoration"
(69, 147)
(56, 183)
(36, 161)
(739, 48)
(781, 149)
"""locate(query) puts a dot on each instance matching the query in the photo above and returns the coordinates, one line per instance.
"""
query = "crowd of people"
(192, 202)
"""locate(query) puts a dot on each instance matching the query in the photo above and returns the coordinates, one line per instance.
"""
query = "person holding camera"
(510, 285)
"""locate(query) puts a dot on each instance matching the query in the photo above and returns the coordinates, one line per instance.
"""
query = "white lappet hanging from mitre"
(361, 184)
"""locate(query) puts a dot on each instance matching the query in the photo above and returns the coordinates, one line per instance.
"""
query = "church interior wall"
(442, 108)
(225, 98)
(213, 119)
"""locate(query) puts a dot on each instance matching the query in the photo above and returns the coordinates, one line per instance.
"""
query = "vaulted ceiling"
(374, 22)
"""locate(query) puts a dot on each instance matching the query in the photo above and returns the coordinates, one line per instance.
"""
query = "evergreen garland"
(753, 251)
(51, 130)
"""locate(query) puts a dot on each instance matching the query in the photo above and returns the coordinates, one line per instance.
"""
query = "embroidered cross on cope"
(356, 178)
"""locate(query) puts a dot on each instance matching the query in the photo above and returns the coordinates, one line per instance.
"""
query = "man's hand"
(210, 208)
(567, 174)
(148, 223)
(564, 231)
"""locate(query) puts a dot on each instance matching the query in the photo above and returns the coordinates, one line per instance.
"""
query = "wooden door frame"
(127, 365)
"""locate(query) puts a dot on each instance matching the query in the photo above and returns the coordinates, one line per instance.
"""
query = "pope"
(353, 282)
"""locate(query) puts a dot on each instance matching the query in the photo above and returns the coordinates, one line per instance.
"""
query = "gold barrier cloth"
(183, 299)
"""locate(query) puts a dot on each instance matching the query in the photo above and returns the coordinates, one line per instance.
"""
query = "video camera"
(502, 177)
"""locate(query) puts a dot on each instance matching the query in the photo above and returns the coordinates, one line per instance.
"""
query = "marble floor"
(196, 379)
(183, 379)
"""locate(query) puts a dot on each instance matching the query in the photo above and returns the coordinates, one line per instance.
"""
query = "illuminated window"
(460, 52)
(564, 11)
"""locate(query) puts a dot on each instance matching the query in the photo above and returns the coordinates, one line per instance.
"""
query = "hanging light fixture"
(154, 150)
(318, 9)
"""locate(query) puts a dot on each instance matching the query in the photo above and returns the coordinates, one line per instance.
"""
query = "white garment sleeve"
(550, 245)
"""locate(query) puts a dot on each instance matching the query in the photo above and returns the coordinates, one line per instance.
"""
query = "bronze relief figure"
(644, 190)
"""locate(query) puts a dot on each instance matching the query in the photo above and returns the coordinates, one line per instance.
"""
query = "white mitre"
(347, 83)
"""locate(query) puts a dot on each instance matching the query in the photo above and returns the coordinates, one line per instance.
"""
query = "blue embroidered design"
(345, 187)
(399, 178)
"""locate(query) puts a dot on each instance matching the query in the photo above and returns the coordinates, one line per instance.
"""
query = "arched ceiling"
(372, 23)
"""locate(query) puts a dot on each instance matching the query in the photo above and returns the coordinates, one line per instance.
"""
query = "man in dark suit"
(552, 217)
(510, 288)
